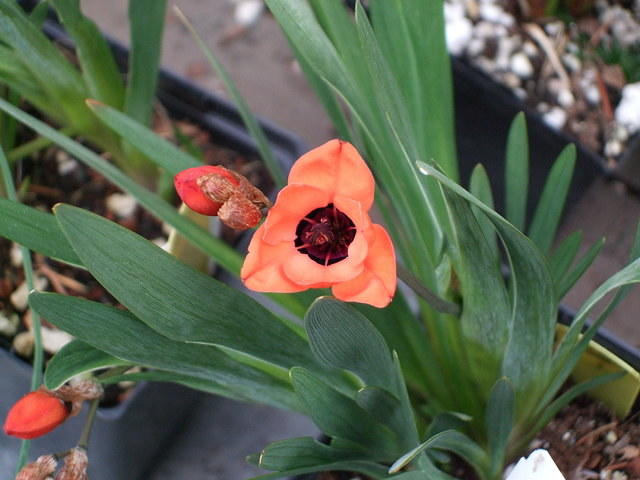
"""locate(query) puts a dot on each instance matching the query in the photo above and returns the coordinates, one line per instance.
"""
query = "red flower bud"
(35, 414)
(214, 190)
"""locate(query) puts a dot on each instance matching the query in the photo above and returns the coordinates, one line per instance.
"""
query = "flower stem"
(88, 424)
(36, 377)
(430, 297)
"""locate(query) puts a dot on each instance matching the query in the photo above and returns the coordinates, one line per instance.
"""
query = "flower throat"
(325, 235)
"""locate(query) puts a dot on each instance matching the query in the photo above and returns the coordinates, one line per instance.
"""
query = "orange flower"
(319, 234)
(35, 414)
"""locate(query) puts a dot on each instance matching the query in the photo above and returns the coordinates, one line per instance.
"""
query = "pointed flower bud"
(38, 470)
(75, 465)
(35, 414)
(214, 190)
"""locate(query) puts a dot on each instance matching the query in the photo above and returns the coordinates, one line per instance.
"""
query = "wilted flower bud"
(78, 392)
(35, 414)
(214, 190)
(38, 470)
(75, 465)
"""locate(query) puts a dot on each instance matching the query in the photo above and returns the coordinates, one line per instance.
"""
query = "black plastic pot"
(128, 438)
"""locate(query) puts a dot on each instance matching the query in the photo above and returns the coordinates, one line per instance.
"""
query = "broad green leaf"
(563, 256)
(75, 358)
(174, 299)
(499, 419)
(480, 187)
(163, 153)
(570, 278)
(370, 469)
(338, 415)
(341, 337)
(517, 172)
(146, 20)
(554, 194)
(303, 452)
(275, 169)
(486, 311)
(121, 335)
(528, 353)
(219, 251)
(449, 440)
(99, 68)
(36, 230)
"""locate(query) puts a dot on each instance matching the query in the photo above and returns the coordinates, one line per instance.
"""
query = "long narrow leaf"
(121, 335)
(570, 279)
(549, 210)
(275, 169)
(146, 20)
(99, 68)
(517, 172)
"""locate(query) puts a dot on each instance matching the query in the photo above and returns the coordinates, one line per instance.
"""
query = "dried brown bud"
(75, 465)
(78, 392)
(38, 470)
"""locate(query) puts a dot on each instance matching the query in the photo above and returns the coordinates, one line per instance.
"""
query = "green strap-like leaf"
(527, 357)
(517, 172)
(341, 337)
(563, 256)
(75, 358)
(480, 187)
(174, 299)
(163, 153)
(99, 68)
(570, 278)
(146, 20)
(121, 335)
(275, 169)
(36, 230)
(554, 194)
(216, 248)
(338, 415)
(499, 420)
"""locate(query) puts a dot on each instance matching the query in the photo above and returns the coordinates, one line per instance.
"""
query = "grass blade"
(517, 172)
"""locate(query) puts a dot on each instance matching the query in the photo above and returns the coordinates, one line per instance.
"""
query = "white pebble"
(620, 133)
(521, 93)
(521, 65)
(458, 35)
(537, 466)
(611, 437)
(121, 204)
(628, 110)
(66, 164)
(8, 324)
(453, 11)
(511, 80)
(592, 94)
(565, 97)
(19, 298)
(15, 254)
(475, 47)
(572, 62)
(612, 148)
(555, 118)
(484, 30)
(248, 12)
(554, 28)
(530, 49)
(23, 344)
(491, 12)
(53, 339)
(542, 107)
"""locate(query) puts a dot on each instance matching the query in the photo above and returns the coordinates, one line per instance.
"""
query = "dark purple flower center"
(325, 235)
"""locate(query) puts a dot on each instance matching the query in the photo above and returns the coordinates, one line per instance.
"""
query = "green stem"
(88, 424)
(36, 378)
(430, 297)
(35, 145)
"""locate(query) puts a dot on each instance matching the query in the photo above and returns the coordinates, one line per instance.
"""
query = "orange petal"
(262, 268)
(35, 414)
(376, 285)
(186, 183)
(302, 270)
(337, 168)
(292, 204)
